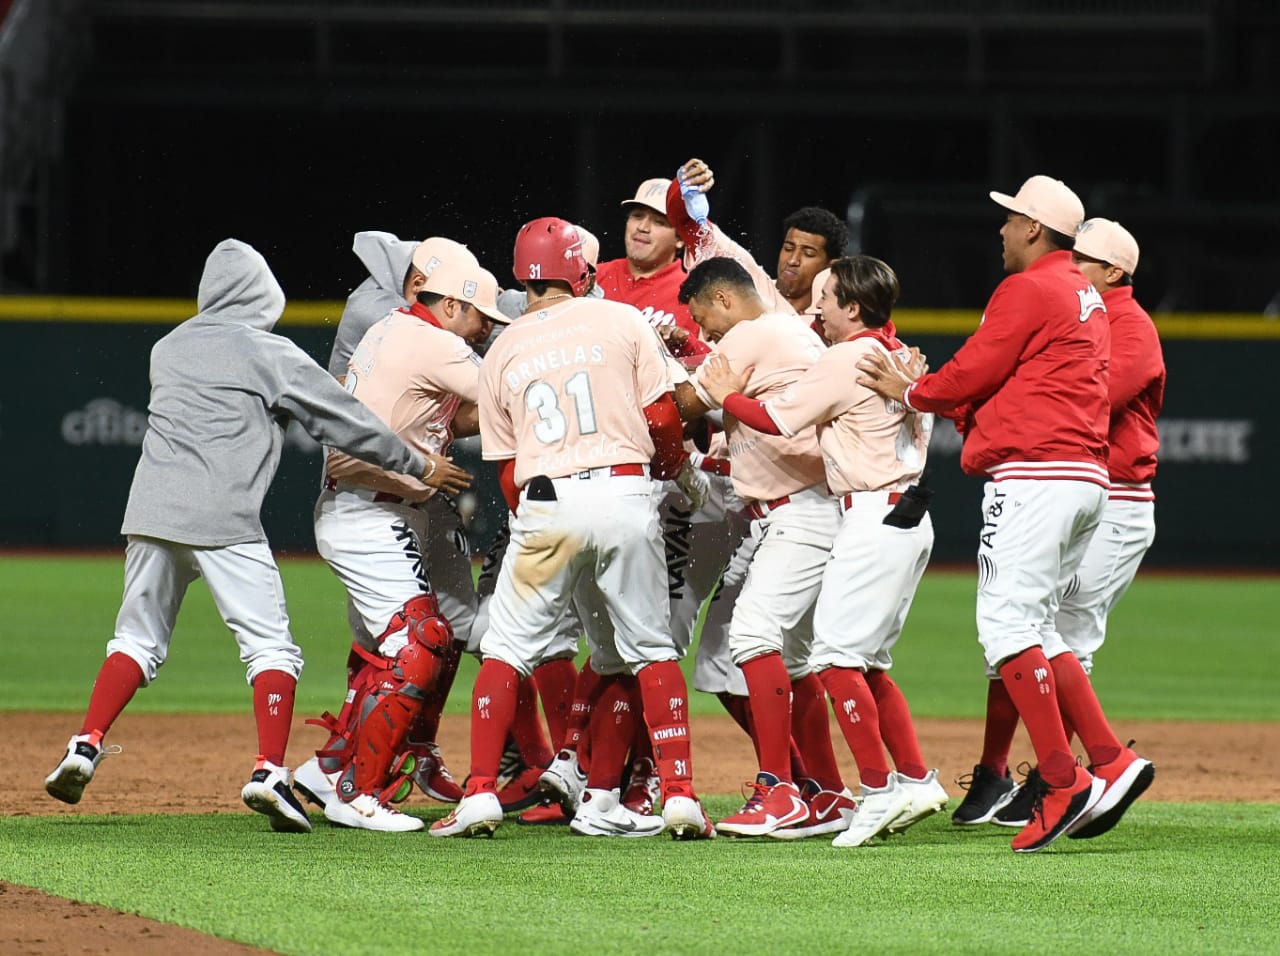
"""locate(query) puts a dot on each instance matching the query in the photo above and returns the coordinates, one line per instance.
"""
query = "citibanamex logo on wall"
(104, 421)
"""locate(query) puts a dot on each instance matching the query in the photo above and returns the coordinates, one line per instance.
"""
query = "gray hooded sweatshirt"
(387, 259)
(223, 388)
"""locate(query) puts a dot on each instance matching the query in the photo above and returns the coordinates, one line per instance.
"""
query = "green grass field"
(1173, 878)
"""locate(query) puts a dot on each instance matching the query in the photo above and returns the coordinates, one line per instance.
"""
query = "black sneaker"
(268, 793)
(1017, 812)
(988, 793)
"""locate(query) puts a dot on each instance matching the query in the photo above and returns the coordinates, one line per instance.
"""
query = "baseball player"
(417, 371)
(874, 453)
(575, 405)
(1029, 390)
(812, 237)
(222, 387)
(650, 274)
(398, 271)
(1107, 254)
(782, 481)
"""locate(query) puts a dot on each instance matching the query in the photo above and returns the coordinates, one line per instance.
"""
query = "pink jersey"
(868, 443)
(780, 348)
(563, 389)
(413, 375)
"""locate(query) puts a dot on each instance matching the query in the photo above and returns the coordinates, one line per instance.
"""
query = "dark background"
(167, 125)
(136, 134)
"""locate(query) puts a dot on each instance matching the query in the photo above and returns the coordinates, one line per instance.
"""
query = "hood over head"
(237, 285)
(386, 256)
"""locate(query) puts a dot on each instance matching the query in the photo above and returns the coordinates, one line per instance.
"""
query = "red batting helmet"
(551, 248)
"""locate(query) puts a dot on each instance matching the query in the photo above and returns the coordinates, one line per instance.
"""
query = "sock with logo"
(998, 731)
(613, 725)
(769, 687)
(273, 693)
(1081, 708)
(556, 680)
(666, 712)
(585, 688)
(811, 735)
(118, 680)
(855, 709)
(1029, 681)
(896, 726)
(493, 708)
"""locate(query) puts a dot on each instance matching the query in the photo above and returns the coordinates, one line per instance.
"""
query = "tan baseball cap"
(819, 281)
(467, 282)
(590, 246)
(1048, 201)
(651, 193)
(431, 252)
(1108, 241)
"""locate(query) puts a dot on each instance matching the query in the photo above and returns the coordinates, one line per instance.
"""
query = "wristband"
(427, 475)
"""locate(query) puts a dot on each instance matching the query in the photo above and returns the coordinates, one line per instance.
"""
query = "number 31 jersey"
(563, 389)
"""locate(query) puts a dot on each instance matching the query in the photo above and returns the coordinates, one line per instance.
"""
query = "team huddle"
(676, 434)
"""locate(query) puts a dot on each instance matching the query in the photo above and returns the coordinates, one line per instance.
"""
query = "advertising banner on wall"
(73, 408)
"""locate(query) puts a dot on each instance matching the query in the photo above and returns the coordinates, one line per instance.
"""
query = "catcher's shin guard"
(397, 702)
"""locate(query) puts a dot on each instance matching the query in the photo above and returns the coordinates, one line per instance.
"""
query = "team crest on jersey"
(1090, 302)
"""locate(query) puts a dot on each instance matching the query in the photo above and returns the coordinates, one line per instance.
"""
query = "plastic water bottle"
(695, 204)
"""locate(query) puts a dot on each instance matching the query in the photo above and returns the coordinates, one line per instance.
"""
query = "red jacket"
(1035, 374)
(1137, 393)
(655, 296)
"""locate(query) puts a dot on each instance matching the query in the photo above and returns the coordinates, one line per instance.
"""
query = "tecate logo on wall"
(1223, 440)
(104, 421)
(1182, 440)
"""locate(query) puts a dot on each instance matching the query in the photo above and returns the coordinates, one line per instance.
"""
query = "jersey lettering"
(552, 427)
(1090, 302)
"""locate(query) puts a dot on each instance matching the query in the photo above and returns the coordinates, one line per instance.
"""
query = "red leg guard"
(400, 698)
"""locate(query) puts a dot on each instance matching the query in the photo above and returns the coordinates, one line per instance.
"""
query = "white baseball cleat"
(686, 820)
(476, 815)
(879, 807)
(927, 798)
(564, 780)
(600, 814)
(366, 813)
(316, 786)
(76, 769)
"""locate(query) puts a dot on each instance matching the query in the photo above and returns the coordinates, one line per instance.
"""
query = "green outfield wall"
(74, 398)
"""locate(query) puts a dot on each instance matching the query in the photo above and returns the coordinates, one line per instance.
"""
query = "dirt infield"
(1195, 762)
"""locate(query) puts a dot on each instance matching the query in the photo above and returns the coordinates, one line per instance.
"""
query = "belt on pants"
(758, 509)
(381, 497)
(715, 466)
(846, 501)
(612, 471)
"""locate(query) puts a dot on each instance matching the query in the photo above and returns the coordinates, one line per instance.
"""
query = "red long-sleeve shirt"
(1137, 377)
(1035, 373)
(656, 296)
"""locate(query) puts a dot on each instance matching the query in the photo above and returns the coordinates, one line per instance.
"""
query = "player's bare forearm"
(443, 475)
(361, 474)
(466, 420)
(690, 405)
